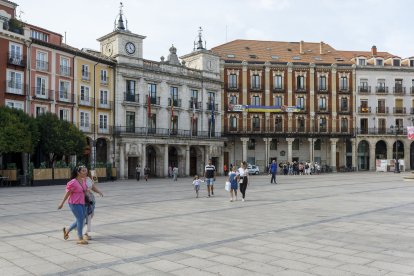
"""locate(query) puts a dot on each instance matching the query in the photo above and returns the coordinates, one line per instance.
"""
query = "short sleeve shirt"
(77, 196)
(209, 171)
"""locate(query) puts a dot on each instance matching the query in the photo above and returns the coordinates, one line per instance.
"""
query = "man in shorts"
(210, 177)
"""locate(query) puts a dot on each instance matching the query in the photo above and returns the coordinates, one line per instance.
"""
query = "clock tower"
(121, 44)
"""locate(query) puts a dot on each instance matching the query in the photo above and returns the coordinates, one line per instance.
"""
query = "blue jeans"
(78, 211)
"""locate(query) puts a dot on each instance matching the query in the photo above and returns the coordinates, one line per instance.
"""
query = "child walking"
(196, 184)
(233, 183)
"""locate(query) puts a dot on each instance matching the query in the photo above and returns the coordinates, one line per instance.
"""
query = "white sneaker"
(231, 200)
(243, 199)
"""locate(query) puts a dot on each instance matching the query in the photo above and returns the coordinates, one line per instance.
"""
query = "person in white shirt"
(243, 178)
(196, 184)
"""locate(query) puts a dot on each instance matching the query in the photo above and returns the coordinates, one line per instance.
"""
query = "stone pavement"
(333, 224)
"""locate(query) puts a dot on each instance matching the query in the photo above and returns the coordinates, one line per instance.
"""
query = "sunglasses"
(81, 167)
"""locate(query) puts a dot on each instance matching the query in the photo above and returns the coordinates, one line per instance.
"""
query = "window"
(251, 144)
(233, 123)
(84, 96)
(381, 106)
(14, 104)
(64, 115)
(211, 100)
(273, 144)
(41, 87)
(379, 62)
(84, 120)
(103, 122)
(278, 82)
(232, 81)
(85, 72)
(255, 82)
(344, 124)
(39, 35)
(343, 84)
(14, 82)
(322, 104)
(300, 83)
(362, 62)
(152, 90)
(278, 101)
(232, 99)
(16, 53)
(322, 83)
(255, 100)
(301, 124)
(411, 62)
(295, 144)
(363, 85)
(256, 123)
(130, 121)
(300, 103)
(174, 96)
(40, 110)
(396, 62)
(104, 76)
(398, 86)
(64, 67)
(317, 145)
(103, 98)
(41, 61)
(322, 124)
(64, 90)
(278, 124)
(344, 104)
(381, 85)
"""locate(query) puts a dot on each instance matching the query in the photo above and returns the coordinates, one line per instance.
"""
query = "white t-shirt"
(242, 172)
(89, 182)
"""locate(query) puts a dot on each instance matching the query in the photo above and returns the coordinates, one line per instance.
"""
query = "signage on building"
(410, 133)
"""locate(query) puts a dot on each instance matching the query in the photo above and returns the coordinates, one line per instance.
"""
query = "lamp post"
(397, 165)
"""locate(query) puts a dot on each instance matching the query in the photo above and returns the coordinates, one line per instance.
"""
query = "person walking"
(210, 177)
(175, 173)
(75, 192)
(146, 172)
(233, 184)
(196, 183)
(225, 169)
(138, 172)
(90, 207)
(243, 179)
(273, 171)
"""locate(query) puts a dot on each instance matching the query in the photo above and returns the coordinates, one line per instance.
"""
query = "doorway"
(132, 164)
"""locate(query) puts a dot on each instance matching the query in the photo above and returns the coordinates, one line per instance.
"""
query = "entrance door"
(193, 162)
(132, 164)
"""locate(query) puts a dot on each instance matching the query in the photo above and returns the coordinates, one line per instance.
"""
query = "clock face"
(130, 48)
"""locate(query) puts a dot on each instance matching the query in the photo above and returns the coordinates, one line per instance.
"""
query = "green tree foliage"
(18, 132)
(58, 138)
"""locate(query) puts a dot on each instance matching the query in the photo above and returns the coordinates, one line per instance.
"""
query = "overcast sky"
(344, 24)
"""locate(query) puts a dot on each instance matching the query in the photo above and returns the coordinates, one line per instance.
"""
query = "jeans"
(78, 211)
(273, 179)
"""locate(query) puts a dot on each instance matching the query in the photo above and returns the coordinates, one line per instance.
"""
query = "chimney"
(321, 48)
(301, 47)
(374, 50)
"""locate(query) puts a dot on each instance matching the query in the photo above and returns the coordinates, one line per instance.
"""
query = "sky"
(344, 24)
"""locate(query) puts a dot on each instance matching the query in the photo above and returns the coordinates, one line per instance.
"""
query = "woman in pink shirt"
(75, 191)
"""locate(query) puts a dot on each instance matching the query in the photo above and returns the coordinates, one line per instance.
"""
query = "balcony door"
(382, 125)
(364, 125)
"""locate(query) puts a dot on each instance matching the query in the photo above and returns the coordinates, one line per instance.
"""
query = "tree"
(18, 132)
(58, 138)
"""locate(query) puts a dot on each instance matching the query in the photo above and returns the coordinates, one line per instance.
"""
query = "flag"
(149, 106)
(410, 133)
(212, 112)
(172, 110)
(193, 111)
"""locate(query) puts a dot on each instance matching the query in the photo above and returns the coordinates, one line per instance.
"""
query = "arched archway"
(195, 158)
(381, 150)
(101, 150)
(173, 157)
(363, 156)
(151, 161)
(398, 150)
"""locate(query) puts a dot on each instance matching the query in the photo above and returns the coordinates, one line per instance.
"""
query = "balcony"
(65, 97)
(165, 132)
(399, 110)
(344, 89)
(382, 131)
(256, 89)
(344, 110)
(232, 88)
(86, 101)
(130, 97)
(16, 59)
(13, 87)
(412, 110)
(86, 76)
(290, 132)
(155, 100)
(104, 104)
(65, 71)
(382, 110)
(300, 129)
(364, 89)
(107, 130)
(323, 89)
(300, 90)
(412, 90)
(381, 89)
(194, 105)
(86, 127)
(279, 89)
(175, 102)
(400, 90)
(210, 106)
(42, 65)
(104, 81)
(40, 93)
(323, 109)
(364, 109)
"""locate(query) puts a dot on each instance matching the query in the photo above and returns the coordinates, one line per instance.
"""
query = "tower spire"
(120, 24)
(199, 44)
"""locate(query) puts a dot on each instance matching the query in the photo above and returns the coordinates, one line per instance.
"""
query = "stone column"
(311, 146)
(390, 149)
(244, 148)
(372, 156)
(333, 153)
(354, 154)
(220, 164)
(406, 156)
(121, 160)
(289, 153)
(266, 140)
(187, 160)
(166, 161)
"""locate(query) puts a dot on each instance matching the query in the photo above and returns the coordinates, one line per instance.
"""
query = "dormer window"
(379, 62)
(396, 62)
(362, 61)
(411, 62)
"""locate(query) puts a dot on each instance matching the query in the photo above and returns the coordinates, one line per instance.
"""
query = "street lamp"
(397, 165)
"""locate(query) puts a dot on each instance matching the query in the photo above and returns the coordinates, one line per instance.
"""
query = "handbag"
(89, 197)
(227, 186)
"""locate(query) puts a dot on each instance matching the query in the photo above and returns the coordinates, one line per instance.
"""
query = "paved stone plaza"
(333, 224)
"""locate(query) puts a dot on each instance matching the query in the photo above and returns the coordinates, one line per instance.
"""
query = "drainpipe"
(94, 119)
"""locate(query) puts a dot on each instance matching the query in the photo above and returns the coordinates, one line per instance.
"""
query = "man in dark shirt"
(210, 177)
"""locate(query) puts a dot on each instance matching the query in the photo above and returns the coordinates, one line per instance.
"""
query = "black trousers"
(273, 179)
(243, 187)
